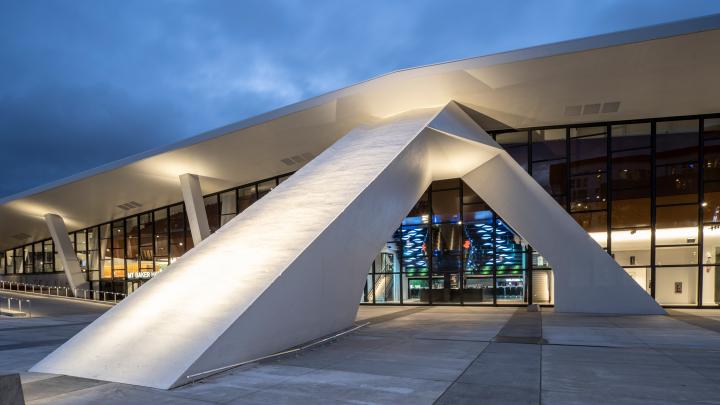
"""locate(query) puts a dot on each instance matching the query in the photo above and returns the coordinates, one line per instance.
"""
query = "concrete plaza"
(419, 355)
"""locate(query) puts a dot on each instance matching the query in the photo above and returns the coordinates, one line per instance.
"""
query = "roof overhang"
(663, 70)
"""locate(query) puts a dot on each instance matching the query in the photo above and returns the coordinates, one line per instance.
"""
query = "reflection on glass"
(415, 290)
(548, 144)
(630, 136)
(415, 250)
(446, 206)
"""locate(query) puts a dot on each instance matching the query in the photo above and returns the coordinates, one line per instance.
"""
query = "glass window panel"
(592, 222)
(246, 196)
(146, 231)
(677, 183)
(367, 296)
(48, 257)
(512, 138)
(160, 222)
(265, 187)
(676, 285)
(548, 144)
(415, 250)
(469, 196)
(510, 249)
(627, 213)
(511, 287)
(711, 286)
(132, 243)
(420, 213)
(588, 192)
(38, 258)
(589, 152)
(711, 244)
(711, 203)
(551, 176)
(177, 231)
(631, 247)
(9, 262)
(447, 248)
(711, 149)
(93, 239)
(673, 255)
(479, 247)
(446, 206)
(631, 170)
(28, 259)
(213, 212)
(543, 286)
(387, 288)
(386, 262)
(626, 136)
(477, 213)
(538, 261)
(81, 241)
(446, 288)
(228, 207)
(478, 288)
(105, 251)
(283, 178)
(678, 216)
(415, 289)
(676, 141)
(447, 184)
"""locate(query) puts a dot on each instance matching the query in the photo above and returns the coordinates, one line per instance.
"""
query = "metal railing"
(60, 291)
(19, 301)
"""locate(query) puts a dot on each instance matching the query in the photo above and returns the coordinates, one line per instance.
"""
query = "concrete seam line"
(297, 349)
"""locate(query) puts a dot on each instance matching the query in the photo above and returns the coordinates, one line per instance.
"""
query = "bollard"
(29, 309)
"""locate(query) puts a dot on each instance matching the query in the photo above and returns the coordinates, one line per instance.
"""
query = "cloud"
(85, 82)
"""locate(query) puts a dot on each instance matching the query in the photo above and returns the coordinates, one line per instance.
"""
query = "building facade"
(654, 184)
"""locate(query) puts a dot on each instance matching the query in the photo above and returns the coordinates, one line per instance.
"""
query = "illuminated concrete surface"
(425, 355)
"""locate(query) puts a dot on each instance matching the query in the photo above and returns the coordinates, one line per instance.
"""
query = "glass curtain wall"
(119, 256)
(647, 192)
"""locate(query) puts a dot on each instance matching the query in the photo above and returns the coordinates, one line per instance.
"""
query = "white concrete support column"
(64, 248)
(195, 207)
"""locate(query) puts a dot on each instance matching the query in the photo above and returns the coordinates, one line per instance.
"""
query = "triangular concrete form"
(291, 267)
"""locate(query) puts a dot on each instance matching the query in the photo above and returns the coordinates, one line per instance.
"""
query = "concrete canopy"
(664, 70)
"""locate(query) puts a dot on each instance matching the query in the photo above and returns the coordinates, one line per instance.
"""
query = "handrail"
(67, 292)
(19, 304)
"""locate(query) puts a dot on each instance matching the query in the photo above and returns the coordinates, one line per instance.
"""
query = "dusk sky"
(83, 83)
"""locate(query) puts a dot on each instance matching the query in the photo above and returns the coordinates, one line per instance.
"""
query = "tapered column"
(64, 248)
(195, 207)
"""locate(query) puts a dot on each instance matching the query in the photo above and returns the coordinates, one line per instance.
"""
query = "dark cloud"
(86, 82)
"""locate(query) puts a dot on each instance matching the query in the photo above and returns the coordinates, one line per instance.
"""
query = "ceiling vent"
(590, 109)
(21, 236)
(573, 110)
(293, 160)
(129, 205)
(611, 107)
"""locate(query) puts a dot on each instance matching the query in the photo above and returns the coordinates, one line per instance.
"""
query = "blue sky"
(86, 82)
